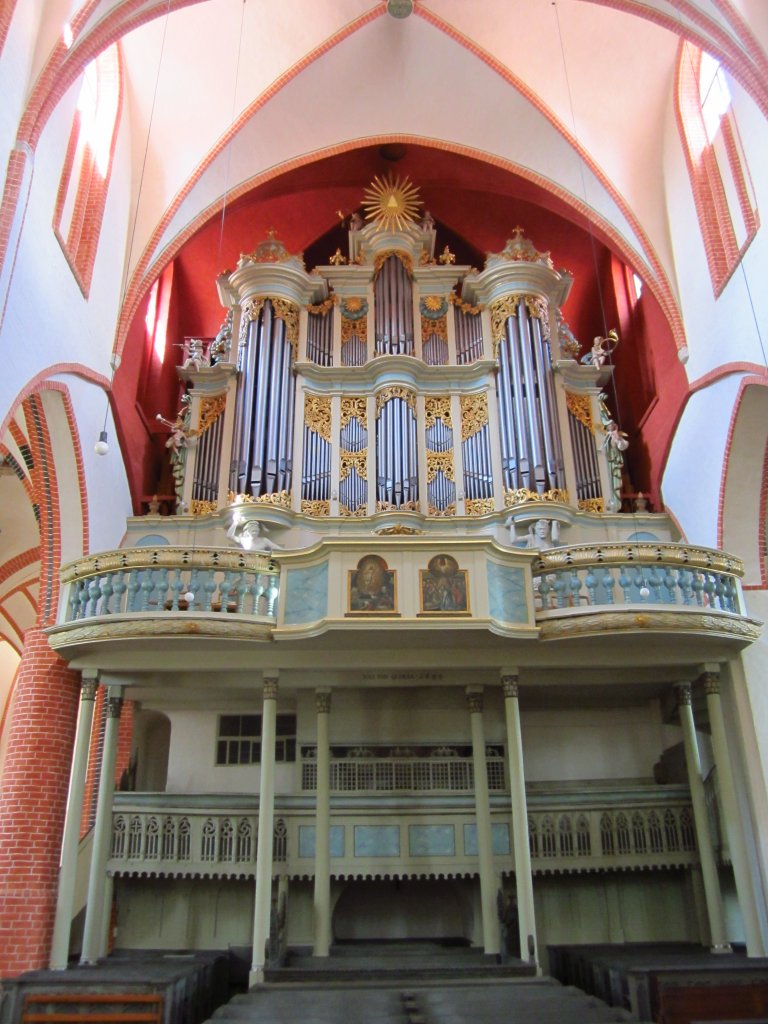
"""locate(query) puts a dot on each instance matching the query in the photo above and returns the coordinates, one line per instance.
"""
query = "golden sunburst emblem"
(391, 203)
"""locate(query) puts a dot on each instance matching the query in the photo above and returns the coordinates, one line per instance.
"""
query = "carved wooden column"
(263, 903)
(322, 942)
(488, 881)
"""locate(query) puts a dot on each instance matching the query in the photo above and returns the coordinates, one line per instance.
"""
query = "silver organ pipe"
(585, 459)
(435, 351)
(469, 336)
(531, 447)
(478, 478)
(205, 486)
(320, 338)
(397, 477)
(354, 350)
(264, 411)
(353, 489)
(394, 309)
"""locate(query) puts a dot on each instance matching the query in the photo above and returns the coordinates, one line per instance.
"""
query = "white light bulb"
(102, 445)
(189, 597)
(644, 592)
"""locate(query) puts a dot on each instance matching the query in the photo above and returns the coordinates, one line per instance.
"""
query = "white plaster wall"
(725, 329)
(691, 482)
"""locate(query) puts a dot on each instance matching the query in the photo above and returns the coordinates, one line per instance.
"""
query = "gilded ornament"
(317, 415)
(354, 408)
(580, 407)
(398, 531)
(352, 329)
(204, 508)
(284, 310)
(433, 329)
(282, 499)
(270, 251)
(338, 259)
(522, 495)
(446, 257)
(465, 307)
(539, 309)
(474, 414)
(569, 346)
(433, 306)
(176, 557)
(391, 203)
(437, 407)
(479, 506)
(387, 506)
(382, 257)
(323, 308)
(210, 410)
(425, 260)
(439, 462)
(666, 622)
(592, 504)
(318, 508)
(353, 460)
(434, 511)
(354, 307)
(357, 513)
(521, 250)
(501, 311)
(396, 391)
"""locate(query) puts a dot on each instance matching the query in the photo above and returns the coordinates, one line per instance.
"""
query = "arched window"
(722, 190)
(82, 193)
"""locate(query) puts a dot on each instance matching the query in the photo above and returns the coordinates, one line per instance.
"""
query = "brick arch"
(42, 719)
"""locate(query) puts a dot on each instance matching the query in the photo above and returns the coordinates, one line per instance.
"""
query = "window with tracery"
(82, 193)
(722, 189)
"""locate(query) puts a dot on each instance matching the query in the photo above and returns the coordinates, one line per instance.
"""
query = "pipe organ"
(482, 408)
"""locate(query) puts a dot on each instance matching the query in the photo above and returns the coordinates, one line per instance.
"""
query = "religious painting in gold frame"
(372, 588)
(443, 587)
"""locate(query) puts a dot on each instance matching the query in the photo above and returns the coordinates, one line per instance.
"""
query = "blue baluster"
(106, 593)
(120, 588)
(194, 589)
(208, 588)
(561, 588)
(698, 588)
(176, 588)
(93, 596)
(225, 590)
(74, 600)
(133, 591)
(273, 592)
(669, 583)
(575, 587)
(685, 583)
(625, 582)
(590, 581)
(145, 590)
(608, 584)
(242, 591)
(709, 589)
(655, 581)
(544, 589)
(720, 590)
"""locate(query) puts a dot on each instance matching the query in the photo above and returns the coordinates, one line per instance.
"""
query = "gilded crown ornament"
(391, 203)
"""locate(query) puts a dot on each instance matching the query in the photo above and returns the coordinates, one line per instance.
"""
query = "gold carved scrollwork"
(320, 507)
(323, 308)
(317, 415)
(437, 407)
(580, 407)
(537, 307)
(592, 504)
(479, 506)
(437, 461)
(353, 460)
(522, 495)
(210, 410)
(354, 513)
(282, 499)
(434, 329)
(396, 391)
(204, 508)
(354, 408)
(449, 510)
(474, 414)
(501, 311)
(398, 531)
(353, 329)
(465, 307)
(382, 258)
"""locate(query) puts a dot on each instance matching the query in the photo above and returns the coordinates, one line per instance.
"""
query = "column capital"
(270, 687)
(323, 701)
(711, 683)
(88, 688)
(509, 685)
(475, 699)
(114, 701)
(683, 692)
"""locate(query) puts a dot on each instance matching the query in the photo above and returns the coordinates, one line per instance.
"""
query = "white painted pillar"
(712, 894)
(322, 904)
(731, 817)
(488, 880)
(102, 833)
(70, 842)
(520, 840)
(263, 903)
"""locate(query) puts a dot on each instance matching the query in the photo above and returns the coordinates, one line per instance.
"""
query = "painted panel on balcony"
(377, 841)
(431, 840)
(307, 840)
(306, 598)
(499, 840)
(506, 593)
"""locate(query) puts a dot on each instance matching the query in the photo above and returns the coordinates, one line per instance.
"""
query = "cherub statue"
(195, 359)
(248, 533)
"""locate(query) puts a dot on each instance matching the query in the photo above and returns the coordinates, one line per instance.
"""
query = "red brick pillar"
(33, 796)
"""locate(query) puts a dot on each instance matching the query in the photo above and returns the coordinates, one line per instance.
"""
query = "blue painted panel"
(151, 540)
(377, 840)
(307, 840)
(306, 596)
(506, 593)
(431, 840)
(499, 840)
